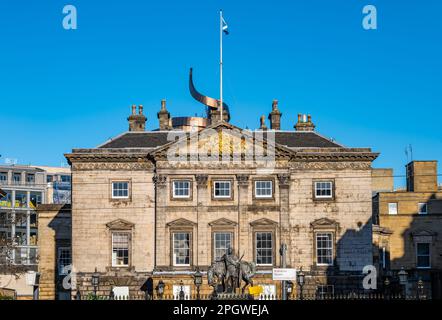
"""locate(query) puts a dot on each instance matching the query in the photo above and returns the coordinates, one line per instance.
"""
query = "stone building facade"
(408, 226)
(151, 204)
(55, 227)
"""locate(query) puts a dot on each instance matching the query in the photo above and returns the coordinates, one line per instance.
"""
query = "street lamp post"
(181, 294)
(289, 289)
(95, 281)
(301, 282)
(198, 281)
(160, 289)
(420, 289)
(386, 288)
(403, 280)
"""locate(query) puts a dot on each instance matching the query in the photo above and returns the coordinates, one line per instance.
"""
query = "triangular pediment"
(222, 139)
(222, 222)
(324, 222)
(422, 233)
(120, 224)
(180, 223)
(263, 222)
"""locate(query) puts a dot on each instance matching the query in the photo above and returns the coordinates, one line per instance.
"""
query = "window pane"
(324, 248)
(263, 189)
(423, 255)
(120, 189)
(264, 248)
(422, 207)
(181, 248)
(64, 260)
(120, 249)
(181, 189)
(222, 189)
(392, 208)
(323, 189)
(222, 241)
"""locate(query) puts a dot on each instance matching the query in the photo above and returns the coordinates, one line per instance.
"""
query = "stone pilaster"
(161, 193)
(202, 256)
(244, 235)
(284, 220)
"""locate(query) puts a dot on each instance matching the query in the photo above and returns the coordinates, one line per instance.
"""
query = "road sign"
(284, 274)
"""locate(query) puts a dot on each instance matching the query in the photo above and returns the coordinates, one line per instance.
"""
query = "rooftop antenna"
(411, 152)
(406, 154)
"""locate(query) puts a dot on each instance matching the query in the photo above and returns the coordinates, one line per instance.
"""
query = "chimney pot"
(263, 124)
(304, 123)
(137, 122)
(164, 117)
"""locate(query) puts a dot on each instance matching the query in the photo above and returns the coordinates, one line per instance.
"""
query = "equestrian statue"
(229, 271)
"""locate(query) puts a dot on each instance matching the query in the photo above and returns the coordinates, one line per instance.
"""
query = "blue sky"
(63, 89)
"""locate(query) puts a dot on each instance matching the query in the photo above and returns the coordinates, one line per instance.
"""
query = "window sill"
(325, 199)
(181, 198)
(120, 200)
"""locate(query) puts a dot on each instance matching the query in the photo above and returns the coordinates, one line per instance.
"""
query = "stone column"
(160, 182)
(243, 221)
(203, 236)
(284, 218)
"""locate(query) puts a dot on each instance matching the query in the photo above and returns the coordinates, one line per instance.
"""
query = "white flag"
(226, 31)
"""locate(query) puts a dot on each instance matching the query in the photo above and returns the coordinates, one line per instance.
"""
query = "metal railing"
(331, 297)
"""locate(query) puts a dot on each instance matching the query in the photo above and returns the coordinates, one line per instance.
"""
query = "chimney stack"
(275, 116)
(263, 123)
(304, 123)
(164, 116)
(137, 122)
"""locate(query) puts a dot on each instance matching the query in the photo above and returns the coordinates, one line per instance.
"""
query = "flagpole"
(221, 62)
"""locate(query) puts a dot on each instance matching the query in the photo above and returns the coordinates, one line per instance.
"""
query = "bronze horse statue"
(218, 270)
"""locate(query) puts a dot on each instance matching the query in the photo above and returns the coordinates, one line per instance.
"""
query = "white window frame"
(263, 196)
(320, 289)
(332, 248)
(214, 242)
(128, 189)
(129, 240)
(272, 248)
(174, 195)
(389, 208)
(62, 268)
(222, 181)
(419, 208)
(189, 249)
(429, 255)
(324, 196)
